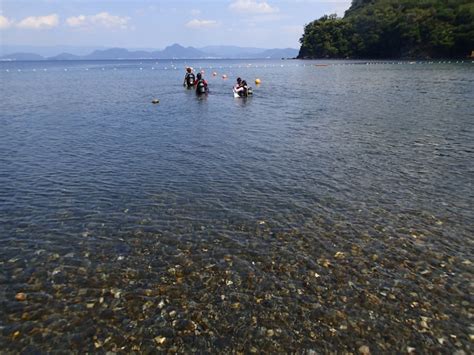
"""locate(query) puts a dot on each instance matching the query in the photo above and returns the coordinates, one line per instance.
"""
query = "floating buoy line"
(202, 69)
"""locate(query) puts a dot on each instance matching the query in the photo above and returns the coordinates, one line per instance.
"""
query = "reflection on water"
(332, 210)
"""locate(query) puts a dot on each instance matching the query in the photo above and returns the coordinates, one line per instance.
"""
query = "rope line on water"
(248, 66)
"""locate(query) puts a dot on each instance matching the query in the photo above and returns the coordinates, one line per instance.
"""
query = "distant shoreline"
(393, 58)
(468, 59)
(135, 59)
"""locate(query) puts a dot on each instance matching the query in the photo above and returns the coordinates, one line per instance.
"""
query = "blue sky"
(158, 23)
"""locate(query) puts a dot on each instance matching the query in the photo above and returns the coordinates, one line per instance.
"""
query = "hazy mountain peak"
(174, 51)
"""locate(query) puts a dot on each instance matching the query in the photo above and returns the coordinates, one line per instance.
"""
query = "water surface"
(330, 211)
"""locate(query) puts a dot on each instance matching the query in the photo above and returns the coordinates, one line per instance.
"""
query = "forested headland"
(393, 29)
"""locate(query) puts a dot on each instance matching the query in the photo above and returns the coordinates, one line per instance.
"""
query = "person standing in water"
(242, 89)
(201, 85)
(189, 78)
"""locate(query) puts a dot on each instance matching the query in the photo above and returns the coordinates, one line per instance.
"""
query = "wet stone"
(184, 325)
(166, 332)
(20, 296)
(275, 292)
(106, 314)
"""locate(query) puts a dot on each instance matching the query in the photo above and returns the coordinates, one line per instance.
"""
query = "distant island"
(174, 51)
(393, 29)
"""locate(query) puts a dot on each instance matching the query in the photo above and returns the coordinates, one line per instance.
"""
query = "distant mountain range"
(174, 51)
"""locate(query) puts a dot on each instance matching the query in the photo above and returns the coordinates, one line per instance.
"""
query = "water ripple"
(374, 162)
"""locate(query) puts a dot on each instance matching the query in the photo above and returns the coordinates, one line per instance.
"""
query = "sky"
(155, 24)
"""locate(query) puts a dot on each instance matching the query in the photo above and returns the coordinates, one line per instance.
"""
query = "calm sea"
(221, 224)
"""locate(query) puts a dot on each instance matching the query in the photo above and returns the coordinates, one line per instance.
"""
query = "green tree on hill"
(393, 29)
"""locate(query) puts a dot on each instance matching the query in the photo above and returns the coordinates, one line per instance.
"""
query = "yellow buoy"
(257, 81)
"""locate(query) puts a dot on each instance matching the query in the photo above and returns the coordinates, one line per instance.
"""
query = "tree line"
(393, 29)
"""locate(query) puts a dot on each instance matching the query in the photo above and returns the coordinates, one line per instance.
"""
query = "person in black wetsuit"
(201, 85)
(247, 89)
(189, 78)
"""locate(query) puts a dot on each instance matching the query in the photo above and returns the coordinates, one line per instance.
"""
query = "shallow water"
(332, 210)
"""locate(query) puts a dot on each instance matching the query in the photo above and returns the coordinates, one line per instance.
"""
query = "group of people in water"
(242, 89)
(195, 81)
(198, 83)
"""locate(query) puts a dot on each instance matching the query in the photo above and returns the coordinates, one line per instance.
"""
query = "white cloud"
(39, 22)
(195, 12)
(102, 19)
(252, 7)
(76, 21)
(202, 23)
(5, 22)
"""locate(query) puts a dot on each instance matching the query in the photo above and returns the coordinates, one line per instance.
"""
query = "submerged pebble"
(20, 296)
